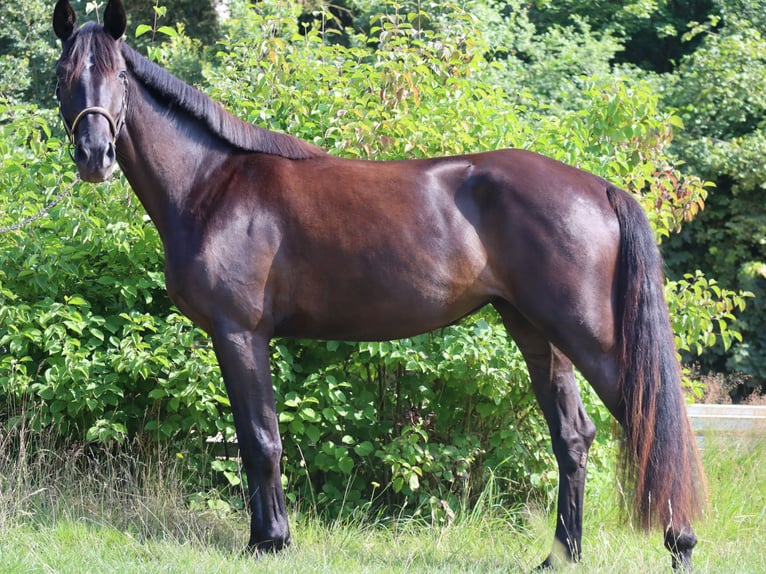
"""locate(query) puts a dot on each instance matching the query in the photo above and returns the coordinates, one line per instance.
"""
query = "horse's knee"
(262, 455)
(269, 450)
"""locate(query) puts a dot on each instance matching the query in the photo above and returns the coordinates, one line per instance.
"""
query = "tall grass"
(84, 510)
(128, 511)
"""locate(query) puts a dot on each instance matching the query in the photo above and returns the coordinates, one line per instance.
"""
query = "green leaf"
(397, 483)
(142, 29)
(168, 31)
(296, 427)
(364, 448)
(309, 414)
(232, 478)
(313, 433)
(346, 464)
(286, 416)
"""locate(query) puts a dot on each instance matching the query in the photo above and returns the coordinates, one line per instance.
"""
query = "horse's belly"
(368, 315)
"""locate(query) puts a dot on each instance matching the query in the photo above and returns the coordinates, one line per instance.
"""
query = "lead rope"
(44, 211)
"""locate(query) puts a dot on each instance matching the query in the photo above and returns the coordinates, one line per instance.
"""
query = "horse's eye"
(122, 74)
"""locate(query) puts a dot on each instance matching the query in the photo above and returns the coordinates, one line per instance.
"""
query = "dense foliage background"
(660, 97)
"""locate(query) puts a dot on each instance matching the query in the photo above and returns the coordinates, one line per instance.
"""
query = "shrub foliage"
(91, 345)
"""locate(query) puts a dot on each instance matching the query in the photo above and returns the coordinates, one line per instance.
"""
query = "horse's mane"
(169, 89)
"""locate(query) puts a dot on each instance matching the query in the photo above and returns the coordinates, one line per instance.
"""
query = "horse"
(266, 235)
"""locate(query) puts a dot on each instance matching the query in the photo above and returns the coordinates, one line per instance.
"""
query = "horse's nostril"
(109, 155)
(81, 154)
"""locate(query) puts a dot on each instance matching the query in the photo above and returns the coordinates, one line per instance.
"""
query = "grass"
(64, 512)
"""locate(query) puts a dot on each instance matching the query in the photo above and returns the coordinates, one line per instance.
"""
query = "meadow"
(69, 512)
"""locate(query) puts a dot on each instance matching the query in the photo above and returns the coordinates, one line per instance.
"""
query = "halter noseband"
(114, 126)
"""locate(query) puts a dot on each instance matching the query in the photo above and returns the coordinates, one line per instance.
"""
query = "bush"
(91, 345)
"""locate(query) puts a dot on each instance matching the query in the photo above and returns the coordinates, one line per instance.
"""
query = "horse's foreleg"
(244, 361)
(572, 432)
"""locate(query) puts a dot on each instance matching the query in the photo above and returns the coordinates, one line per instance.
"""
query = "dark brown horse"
(267, 236)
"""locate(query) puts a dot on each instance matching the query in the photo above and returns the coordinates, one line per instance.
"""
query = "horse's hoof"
(546, 565)
(267, 547)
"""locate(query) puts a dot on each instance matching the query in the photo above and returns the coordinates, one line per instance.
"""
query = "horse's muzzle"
(95, 161)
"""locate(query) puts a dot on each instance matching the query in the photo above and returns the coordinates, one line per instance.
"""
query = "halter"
(114, 126)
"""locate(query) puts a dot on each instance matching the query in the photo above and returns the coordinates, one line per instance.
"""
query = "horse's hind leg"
(571, 430)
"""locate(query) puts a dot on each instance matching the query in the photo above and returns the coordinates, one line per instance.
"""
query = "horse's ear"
(115, 20)
(64, 20)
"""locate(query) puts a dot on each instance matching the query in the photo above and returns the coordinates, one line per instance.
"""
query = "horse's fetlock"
(269, 546)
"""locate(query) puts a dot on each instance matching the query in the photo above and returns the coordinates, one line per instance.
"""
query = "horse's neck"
(163, 154)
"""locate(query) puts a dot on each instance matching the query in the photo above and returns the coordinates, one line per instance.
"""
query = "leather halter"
(115, 126)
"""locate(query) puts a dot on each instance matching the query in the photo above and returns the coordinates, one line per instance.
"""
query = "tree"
(725, 141)
(26, 46)
(651, 31)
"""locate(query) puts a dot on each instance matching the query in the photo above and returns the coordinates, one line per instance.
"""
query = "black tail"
(659, 455)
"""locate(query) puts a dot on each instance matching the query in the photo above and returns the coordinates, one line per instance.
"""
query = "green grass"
(66, 513)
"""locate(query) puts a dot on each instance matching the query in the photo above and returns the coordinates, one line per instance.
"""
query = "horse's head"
(92, 87)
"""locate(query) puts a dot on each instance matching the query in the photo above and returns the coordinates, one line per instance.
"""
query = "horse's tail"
(659, 454)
